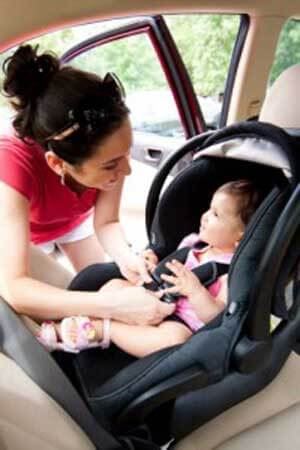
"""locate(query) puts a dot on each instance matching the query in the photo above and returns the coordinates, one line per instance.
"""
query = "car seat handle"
(189, 380)
(191, 146)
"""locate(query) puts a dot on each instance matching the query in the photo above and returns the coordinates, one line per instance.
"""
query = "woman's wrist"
(121, 254)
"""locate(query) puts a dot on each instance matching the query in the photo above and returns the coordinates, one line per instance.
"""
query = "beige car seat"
(269, 419)
(29, 417)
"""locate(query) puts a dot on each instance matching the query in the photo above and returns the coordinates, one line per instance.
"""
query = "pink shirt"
(184, 308)
(54, 208)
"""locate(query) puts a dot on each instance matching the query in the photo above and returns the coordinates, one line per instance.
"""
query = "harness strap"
(207, 273)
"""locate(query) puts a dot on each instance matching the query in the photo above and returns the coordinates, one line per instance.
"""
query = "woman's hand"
(150, 258)
(185, 282)
(134, 269)
(137, 306)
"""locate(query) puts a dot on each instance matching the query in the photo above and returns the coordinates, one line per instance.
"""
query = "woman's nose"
(126, 168)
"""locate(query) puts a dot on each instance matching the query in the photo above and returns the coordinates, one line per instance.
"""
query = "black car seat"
(267, 419)
(237, 355)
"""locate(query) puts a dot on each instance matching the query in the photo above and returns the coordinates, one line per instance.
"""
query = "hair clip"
(64, 133)
(117, 88)
(92, 117)
(88, 118)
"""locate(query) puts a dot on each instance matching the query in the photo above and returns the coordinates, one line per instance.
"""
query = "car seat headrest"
(190, 195)
(252, 149)
(281, 106)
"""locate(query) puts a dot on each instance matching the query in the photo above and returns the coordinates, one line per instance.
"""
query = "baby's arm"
(187, 284)
(142, 340)
(206, 306)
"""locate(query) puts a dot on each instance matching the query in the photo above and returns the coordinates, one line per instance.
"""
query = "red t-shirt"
(54, 208)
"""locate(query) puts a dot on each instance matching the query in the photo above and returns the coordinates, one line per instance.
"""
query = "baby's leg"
(115, 284)
(142, 340)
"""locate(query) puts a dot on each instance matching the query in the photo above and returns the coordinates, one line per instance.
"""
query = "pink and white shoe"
(85, 334)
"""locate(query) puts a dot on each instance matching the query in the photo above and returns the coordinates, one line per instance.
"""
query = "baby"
(221, 228)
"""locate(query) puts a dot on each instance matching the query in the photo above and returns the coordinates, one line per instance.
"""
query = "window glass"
(205, 42)
(133, 59)
(288, 49)
(58, 42)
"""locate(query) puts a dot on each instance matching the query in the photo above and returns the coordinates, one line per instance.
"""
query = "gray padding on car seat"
(20, 345)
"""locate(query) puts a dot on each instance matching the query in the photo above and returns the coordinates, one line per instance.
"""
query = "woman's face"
(109, 163)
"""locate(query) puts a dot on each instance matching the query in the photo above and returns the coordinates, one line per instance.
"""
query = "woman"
(66, 162)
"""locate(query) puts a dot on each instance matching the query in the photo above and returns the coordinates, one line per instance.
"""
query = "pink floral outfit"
(184, 309)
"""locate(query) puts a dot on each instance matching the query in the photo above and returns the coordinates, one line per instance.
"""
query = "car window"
(206, 56)
(148, 96)
(288, 49)
(58, 42)
(205, 43)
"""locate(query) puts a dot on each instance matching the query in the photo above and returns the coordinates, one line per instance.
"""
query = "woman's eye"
(111, 167)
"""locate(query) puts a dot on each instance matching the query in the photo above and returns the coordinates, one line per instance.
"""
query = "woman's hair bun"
(27, 75)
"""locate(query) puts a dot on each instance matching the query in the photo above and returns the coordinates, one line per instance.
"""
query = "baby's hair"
(248, 195)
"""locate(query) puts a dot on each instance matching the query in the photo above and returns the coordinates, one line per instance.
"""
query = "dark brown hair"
(49, 98)
(248, 195)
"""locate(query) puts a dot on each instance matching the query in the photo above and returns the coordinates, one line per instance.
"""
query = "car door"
(163, 105)
(165, 110)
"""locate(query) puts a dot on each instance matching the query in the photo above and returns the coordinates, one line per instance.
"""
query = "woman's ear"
(55, 163)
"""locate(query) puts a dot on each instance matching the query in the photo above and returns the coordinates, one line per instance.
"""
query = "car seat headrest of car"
(281, 106)
(250, 149)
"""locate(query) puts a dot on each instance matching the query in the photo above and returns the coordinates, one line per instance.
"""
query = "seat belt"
(21, 346)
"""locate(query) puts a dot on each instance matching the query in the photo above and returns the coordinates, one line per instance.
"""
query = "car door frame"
(170, 60)
(172, 65)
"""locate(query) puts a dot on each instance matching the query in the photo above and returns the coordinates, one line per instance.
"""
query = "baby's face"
(221, 226)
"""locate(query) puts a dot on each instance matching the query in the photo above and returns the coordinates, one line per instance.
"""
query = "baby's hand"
(150, 258)
(185, 282)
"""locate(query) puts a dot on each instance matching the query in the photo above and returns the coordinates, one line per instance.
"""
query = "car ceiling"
(21, 18)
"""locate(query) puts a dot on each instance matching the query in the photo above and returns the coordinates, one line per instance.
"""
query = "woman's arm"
(43, 301)
(107, 222)
(112, 237)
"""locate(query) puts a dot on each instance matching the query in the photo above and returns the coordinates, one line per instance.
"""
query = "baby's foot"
(48, 336)
(79, 332)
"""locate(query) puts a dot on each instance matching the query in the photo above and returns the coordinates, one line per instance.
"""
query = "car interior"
(234, 384)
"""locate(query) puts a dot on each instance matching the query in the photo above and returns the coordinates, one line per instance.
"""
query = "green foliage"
(288, 49)
(132, 59)
(205, 42)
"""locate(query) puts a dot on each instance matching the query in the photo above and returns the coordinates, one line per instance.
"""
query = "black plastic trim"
(190, 147)
(235, 60)
(258, 321)
(189, 380)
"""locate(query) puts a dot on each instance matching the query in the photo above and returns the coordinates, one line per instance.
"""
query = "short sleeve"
(16, 166)
(189, 240)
